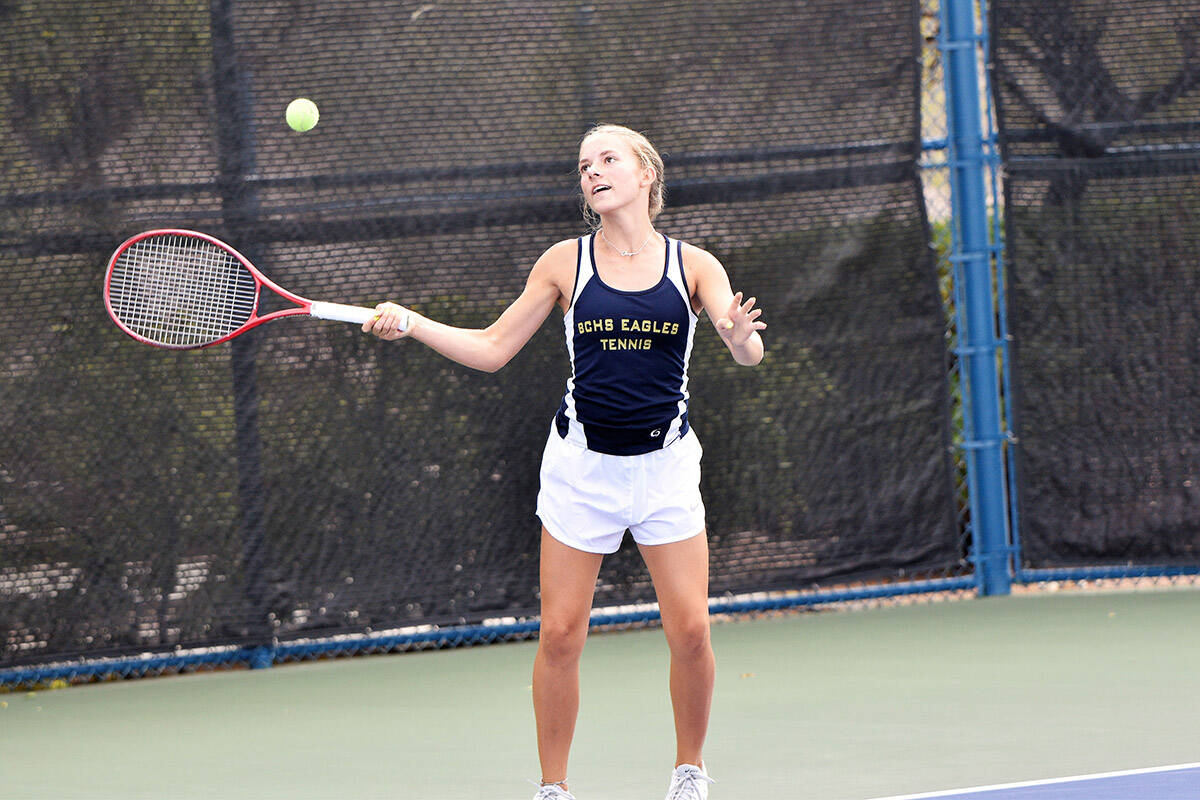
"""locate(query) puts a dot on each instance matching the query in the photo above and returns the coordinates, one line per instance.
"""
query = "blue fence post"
(979, 344)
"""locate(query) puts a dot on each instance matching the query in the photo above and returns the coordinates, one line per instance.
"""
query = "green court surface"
(837, 705)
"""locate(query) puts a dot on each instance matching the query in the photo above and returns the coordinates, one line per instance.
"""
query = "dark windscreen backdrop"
(1100, 125)
(307, 480)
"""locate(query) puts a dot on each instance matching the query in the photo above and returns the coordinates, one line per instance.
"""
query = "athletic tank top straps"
(628, 390)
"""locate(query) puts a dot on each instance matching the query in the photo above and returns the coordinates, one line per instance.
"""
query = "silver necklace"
(628, 253)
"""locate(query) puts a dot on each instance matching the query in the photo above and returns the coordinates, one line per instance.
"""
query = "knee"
(560, 641)
(690, 638)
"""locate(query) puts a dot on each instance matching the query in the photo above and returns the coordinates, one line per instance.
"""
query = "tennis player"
(621, 453)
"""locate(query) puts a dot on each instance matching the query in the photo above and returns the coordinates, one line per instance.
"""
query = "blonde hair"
(646, 154)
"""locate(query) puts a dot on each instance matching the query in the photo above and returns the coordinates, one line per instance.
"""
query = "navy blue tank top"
(629, 351)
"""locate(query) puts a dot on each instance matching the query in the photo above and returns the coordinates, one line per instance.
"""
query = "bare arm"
(490, 348)
(735, 321)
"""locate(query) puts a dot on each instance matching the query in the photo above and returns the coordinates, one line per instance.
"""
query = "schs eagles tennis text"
(625, 325)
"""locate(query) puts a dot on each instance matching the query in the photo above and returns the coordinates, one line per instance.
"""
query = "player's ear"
(649, 175)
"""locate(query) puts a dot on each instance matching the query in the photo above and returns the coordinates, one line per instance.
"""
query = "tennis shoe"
(552, 791)
(689, 782)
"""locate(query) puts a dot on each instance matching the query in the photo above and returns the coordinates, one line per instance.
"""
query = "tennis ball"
(302, 114)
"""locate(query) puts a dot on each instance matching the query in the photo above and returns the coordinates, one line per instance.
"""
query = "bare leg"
(568, 581)
(680, 574)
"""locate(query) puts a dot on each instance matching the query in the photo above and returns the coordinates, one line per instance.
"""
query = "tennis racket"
(183, 290)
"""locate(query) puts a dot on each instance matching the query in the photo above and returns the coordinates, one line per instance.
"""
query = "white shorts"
(587, 499)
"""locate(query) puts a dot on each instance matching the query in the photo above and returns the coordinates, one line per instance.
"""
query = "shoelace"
(686, 785)
(551, 791)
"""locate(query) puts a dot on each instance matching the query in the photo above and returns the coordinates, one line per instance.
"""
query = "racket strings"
(181, 291)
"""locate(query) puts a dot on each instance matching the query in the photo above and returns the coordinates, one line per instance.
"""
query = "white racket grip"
(344, 313)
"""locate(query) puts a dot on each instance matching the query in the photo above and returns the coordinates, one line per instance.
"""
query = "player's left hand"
(740, 321)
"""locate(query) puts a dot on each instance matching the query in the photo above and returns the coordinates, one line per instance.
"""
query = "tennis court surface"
(837, 705)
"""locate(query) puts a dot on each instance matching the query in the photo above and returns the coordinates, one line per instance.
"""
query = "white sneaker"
(689, 782)
(552, 791)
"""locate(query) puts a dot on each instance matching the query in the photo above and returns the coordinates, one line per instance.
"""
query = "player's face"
(610, 174)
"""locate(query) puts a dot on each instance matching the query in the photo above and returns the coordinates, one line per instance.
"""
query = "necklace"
(628, 253)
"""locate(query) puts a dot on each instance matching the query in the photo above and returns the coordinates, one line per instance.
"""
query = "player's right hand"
(391, 322)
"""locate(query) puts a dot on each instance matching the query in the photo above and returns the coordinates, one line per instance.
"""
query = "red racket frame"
(303, 305)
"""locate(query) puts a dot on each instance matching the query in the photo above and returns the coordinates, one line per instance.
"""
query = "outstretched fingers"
(741, 315)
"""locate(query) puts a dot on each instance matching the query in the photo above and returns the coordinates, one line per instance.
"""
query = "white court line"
(1048, 782)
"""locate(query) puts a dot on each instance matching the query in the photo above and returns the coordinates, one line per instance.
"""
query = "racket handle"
(344, 313)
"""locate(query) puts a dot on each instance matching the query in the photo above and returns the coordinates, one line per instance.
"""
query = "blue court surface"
(1178, 782)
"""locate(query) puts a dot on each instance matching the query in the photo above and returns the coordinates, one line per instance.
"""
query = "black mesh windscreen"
(1100, 121)
(305, 479)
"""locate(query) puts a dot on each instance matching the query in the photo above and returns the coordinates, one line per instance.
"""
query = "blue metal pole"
(1010, 422)
(978, 341)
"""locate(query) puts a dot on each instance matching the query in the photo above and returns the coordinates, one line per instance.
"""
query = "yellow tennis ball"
(302, 114)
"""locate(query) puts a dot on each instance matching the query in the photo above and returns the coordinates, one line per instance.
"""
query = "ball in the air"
(302, 114)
